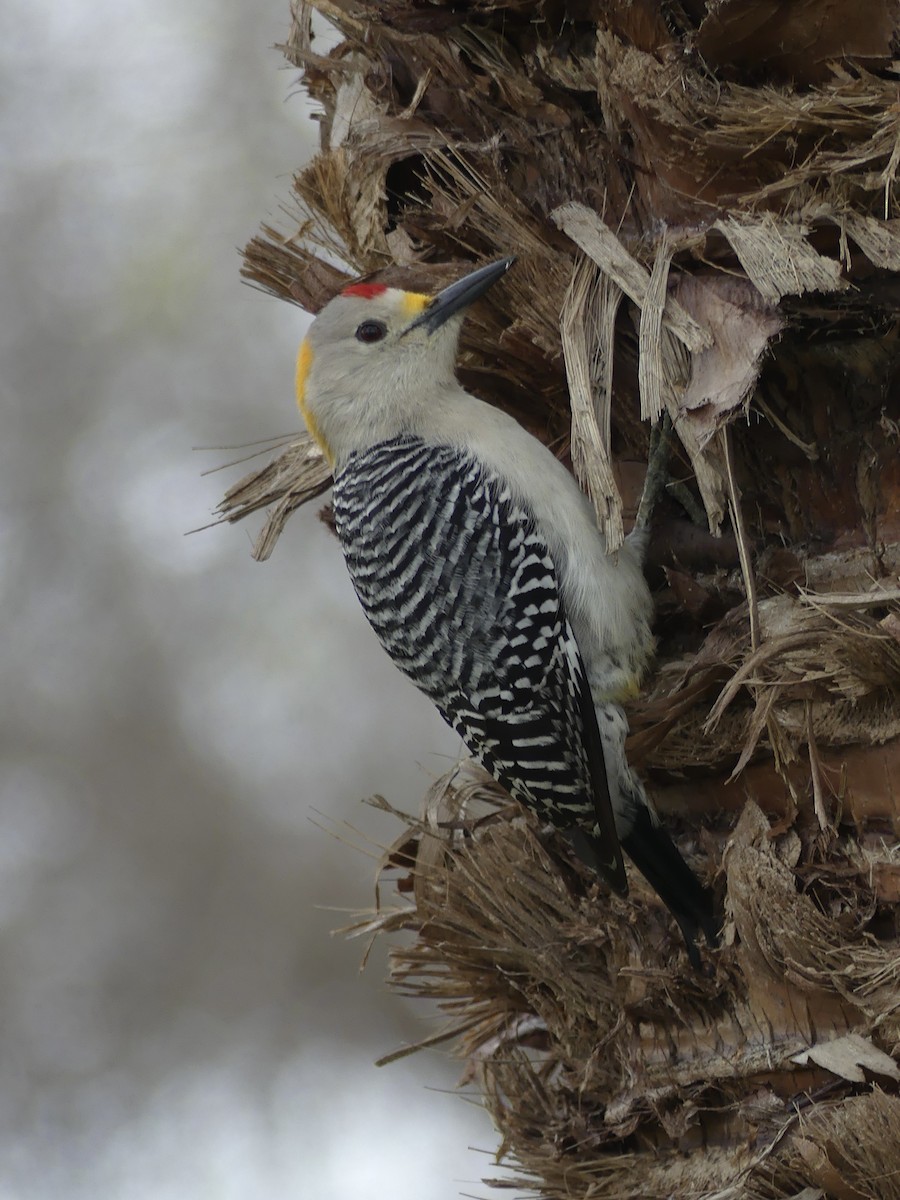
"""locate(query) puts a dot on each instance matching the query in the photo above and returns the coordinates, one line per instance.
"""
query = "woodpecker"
(479, 565)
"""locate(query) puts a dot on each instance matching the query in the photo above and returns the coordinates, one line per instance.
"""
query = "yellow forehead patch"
(414, 302)
(304, 363)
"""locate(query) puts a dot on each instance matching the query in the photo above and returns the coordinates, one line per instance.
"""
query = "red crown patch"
(366, 290)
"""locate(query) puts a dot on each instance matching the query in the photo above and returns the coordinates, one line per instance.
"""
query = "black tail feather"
(656, 856)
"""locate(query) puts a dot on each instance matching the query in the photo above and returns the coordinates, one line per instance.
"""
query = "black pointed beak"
(459, 295)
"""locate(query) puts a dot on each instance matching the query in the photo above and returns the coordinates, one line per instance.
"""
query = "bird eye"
(371, 331)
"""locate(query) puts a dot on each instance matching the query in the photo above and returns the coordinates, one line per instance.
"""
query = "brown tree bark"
(703, 202)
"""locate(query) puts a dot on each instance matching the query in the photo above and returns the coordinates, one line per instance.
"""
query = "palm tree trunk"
(702, 198)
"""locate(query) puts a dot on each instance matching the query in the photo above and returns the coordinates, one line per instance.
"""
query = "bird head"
(375, 355)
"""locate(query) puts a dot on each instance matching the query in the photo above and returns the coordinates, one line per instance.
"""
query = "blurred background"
(178, 720)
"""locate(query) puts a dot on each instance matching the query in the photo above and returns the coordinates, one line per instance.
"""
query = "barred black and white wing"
(463, 594)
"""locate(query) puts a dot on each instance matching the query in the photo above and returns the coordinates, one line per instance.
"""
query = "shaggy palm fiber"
(702, 198)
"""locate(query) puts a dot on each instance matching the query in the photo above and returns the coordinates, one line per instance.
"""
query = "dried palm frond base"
(604, 1060)
(703, 199)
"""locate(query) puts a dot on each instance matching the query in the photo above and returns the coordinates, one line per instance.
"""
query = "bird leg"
(657, 480)
(657, 476)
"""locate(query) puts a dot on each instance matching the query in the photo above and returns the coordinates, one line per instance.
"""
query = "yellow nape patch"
(414, 303)
(304, 363)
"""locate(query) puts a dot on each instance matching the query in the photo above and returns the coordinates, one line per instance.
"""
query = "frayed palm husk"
(703, 202)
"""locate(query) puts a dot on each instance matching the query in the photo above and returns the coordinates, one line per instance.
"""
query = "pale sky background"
(175, 1020)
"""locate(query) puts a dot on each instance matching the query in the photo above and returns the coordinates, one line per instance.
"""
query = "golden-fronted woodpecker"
(480, 567)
